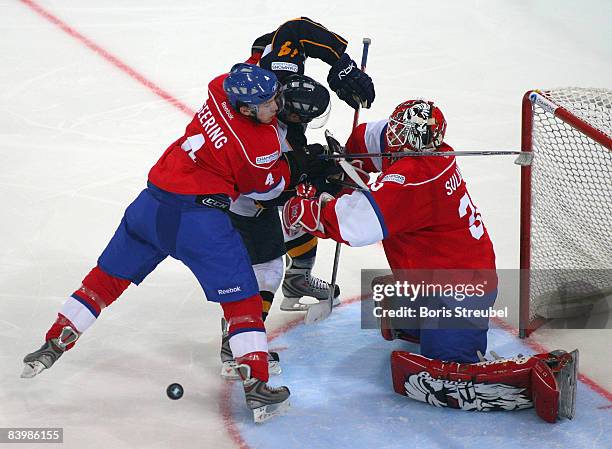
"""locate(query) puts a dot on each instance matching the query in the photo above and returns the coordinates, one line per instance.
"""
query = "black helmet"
(304, 97)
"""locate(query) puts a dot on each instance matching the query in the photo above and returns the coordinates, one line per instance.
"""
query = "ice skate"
(228, 363)
(47, 355)
(265, 401)
(298, 283)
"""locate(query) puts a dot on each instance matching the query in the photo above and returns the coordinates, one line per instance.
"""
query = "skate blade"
(32, 369)
(567, 381)
(265, 412)
(229, 371)
(293, 305)
(317, 312)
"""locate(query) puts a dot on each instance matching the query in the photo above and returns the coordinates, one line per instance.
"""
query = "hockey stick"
(320, 311)
(524, 157)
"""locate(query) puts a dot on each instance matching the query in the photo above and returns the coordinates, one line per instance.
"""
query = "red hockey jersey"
(222, 151)
(419, 207)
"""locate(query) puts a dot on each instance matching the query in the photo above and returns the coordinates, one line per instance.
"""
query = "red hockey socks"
(80, 311)
(247, 333)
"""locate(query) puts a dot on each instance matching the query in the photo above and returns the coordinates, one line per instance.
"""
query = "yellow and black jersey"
(284, 50)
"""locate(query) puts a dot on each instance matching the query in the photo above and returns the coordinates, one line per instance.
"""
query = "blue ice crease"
(342, 397)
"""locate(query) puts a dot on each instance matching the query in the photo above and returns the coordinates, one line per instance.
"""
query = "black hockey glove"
(305, 163)
(351, 84)
(323, 184)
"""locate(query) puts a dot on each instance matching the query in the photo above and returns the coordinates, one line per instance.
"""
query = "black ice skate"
(265, 401)
(228, 363)
(47, 355)
(300, 282)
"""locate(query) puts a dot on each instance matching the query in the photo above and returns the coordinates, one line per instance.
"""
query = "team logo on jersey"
(260, 160)
(287, 66)
(399, 179)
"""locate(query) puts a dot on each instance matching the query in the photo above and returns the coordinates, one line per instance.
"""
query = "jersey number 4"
(466, 206)
(193, 144)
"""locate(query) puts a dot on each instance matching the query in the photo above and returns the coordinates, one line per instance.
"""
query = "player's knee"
(302, 247)
(269, 274)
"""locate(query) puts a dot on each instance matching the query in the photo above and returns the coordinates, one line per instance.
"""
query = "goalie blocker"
(544, 381)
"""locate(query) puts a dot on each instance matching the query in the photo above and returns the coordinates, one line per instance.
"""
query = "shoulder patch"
(259, 160)
(399, 179)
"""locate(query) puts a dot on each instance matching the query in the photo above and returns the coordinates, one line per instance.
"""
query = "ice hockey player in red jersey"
(231, 147)
(420, 209)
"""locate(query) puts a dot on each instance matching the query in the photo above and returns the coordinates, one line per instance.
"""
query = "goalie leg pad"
(505, 384)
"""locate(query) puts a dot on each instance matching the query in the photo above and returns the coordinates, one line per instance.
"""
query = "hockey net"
(566, 204)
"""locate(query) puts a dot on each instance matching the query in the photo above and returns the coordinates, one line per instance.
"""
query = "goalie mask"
(415, 125)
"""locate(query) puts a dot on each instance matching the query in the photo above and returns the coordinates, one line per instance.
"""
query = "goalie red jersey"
(223, 151)
(418, 206)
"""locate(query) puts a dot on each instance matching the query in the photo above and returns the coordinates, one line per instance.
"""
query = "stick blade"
(333, 144)
(525, 159)
(317, 312)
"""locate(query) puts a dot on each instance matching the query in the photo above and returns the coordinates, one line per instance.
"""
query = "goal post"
(566, 204)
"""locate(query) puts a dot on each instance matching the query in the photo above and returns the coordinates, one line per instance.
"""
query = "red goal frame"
(532, 97)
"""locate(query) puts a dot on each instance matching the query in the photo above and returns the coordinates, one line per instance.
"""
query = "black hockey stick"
(320, 311)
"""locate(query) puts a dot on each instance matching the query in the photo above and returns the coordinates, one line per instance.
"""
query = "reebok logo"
(225, 291)
(342, 73)
(227, 110)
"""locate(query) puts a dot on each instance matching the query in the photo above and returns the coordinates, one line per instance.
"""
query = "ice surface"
(79, 136)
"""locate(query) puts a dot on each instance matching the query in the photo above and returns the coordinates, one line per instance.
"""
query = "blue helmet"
(250, 85)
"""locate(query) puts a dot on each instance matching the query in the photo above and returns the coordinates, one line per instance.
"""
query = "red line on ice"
(540, 348)
(163, 94)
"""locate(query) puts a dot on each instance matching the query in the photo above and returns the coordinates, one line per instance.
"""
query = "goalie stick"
(321, 310)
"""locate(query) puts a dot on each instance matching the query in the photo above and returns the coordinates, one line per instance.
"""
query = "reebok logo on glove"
(351, 84)
(347, 70)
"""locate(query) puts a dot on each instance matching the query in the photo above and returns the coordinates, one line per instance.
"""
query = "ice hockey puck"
(174, 391)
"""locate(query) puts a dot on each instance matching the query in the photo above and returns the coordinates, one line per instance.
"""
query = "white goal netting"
(571, 213)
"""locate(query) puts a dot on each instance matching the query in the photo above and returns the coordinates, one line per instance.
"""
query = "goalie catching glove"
(351, 84)
(304, 211)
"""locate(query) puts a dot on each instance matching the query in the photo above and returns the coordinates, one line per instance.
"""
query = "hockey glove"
(350, 83)
(304, 211)
(306, 164)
